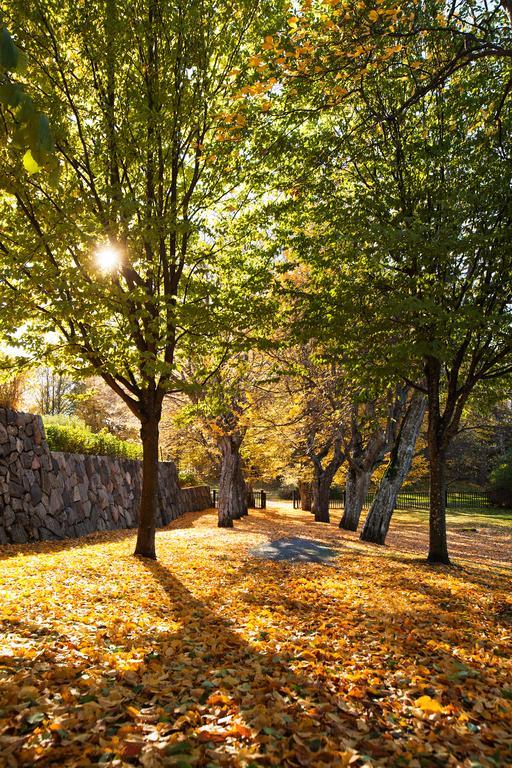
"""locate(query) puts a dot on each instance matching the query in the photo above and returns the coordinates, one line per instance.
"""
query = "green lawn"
(463, 517)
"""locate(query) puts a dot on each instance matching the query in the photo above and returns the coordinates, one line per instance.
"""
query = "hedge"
(74, 436)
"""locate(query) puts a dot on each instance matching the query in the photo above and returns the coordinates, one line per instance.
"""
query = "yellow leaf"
(373, 16)
(30, 165)
(428, 705)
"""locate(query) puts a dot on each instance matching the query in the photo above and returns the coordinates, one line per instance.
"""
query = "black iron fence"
(418, 500)
(257, 499)
(453, 499)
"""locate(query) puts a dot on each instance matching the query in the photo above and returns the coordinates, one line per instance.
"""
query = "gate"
(260, 499)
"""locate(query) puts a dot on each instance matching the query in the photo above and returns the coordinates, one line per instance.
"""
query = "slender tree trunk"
(437, 445)
(149, 497)
(377, 522)
(320, 496)
(305, 493)
(438, 545)
(356, 488)
(232, 488)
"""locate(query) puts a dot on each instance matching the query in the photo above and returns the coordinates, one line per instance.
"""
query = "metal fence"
(420, 500)
(453, 500)
(259, 498)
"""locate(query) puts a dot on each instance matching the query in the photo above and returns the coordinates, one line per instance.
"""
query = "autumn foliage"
(212, 657)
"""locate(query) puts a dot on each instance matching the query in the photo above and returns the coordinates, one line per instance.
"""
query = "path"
(482, 542)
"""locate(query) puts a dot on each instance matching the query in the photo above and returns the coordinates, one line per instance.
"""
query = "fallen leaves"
(213, 658)
(428, 705)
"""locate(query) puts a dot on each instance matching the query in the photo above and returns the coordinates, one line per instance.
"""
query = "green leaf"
(35, 717)
(9, 54)
(43, 134)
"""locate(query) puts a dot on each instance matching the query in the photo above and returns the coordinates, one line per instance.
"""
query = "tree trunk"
(149, 497)
(305, 493)
(377, 522)
(232, 488)
(438, 545)
(356, 488)
(320, 496)
(438, 441)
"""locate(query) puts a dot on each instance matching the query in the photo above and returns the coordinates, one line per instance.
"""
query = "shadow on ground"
(213, 657)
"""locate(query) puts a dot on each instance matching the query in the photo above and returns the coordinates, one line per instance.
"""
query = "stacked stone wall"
(49, 495)
(195, 498)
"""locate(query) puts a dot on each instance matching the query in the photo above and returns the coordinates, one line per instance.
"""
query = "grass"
(459, 516)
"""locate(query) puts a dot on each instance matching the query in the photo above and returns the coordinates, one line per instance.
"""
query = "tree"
(100, 408)
(437, 208)
(377, 521)
(407, 247)
(55, 393)
(501, 481)
(115, 263)
(316, 414)
(373, 426)
(223, 409)
(327, 56)
(12, 386)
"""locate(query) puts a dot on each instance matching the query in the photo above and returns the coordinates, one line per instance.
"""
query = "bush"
(187, 478)
(73, 436)
(500, 478)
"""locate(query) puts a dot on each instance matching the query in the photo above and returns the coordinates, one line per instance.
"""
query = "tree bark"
(232, 488)
(320, 496)
(356, 488)
(438, 545)
(377, 522)
(438, 441)
(305, 493)
(367, 449)
(149, 433)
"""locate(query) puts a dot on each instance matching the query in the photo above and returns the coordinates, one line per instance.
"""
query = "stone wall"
(195, 498)
(45, 495)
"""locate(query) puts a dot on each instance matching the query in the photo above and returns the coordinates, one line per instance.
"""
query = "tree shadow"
(201, 688)
(295, 549)
(209, 695)
(280, 706)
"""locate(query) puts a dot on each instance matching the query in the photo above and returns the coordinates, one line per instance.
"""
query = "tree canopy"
(236, 178)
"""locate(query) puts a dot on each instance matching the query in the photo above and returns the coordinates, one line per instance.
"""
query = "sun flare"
(107, 257)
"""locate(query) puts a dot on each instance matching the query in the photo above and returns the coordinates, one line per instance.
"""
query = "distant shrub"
(500, 478)
(284, 492)
(73, 436)
(187, 478)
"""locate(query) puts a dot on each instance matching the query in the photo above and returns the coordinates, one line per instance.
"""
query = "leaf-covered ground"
(211, 657)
